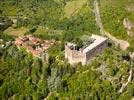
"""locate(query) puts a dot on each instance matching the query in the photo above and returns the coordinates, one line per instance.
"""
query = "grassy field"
(72, 7)
(16, 31)
(46, 33)
(40, 30)
(44, 30)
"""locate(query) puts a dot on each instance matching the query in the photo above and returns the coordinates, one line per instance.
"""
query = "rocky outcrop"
(130, 8)
(121, 43)
(131, 55)
(130, 33)
(129, 27)
(132, 98)
(127, 24)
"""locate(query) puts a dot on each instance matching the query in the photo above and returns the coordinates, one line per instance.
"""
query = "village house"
(35, 46)
(94, 46)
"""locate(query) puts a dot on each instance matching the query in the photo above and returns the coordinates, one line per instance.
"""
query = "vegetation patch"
(45, 33)
(72, 7)
(16, 31)
(7, 8)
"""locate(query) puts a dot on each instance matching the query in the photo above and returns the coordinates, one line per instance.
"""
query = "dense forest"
(25, 77)
(31, 78)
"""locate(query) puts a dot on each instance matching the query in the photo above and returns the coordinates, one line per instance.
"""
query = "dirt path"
(49, 94)
(121, 43)
(125, 84)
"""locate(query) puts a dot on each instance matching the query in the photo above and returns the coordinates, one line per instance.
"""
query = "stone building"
(94, 46)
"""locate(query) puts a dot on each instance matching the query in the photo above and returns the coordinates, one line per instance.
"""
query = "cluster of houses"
(34, 45)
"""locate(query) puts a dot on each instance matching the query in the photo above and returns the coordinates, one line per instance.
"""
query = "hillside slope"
(113, 14)
(109, 75)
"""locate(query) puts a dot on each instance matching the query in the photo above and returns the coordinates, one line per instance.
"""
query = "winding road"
(121, 43)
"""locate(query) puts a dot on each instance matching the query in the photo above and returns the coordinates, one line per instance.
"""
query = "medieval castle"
(95, 45)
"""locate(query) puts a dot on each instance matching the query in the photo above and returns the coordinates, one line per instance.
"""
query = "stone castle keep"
(84, 54)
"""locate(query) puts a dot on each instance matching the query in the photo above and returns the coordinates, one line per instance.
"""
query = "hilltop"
(108, 76)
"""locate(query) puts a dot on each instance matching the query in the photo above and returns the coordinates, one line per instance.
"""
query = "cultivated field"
(72, 7)
(16, 31)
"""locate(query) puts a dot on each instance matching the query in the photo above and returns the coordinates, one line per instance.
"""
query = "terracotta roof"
(29, 42)
(29, 48)
(18, 41)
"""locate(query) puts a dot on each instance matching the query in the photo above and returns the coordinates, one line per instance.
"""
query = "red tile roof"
(18, 41)
(34, 45)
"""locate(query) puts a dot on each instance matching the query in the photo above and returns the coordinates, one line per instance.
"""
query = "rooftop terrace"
(93, 42)
(96, 41)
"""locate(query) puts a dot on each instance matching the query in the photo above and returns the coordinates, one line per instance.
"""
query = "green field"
(16, 31)
(72, 7)
(8, 9)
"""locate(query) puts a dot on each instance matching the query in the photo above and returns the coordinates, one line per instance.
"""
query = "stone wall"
(78, 56)
(95, 51)
(74, 56)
